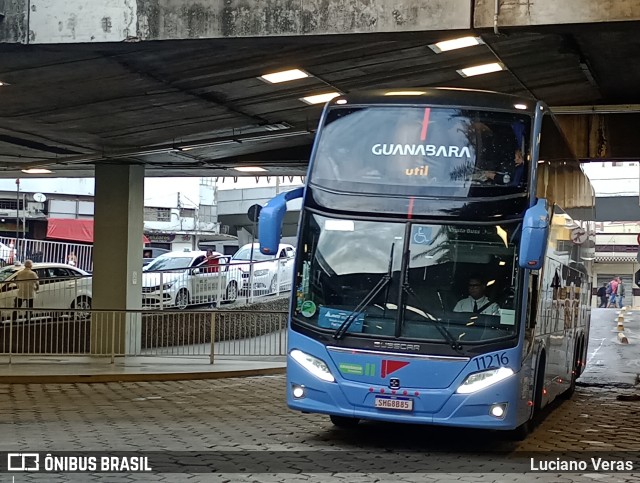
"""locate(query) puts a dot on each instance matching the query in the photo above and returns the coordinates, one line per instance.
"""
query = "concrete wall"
(74, 21)
(520, 13)
(59, 21)
(175, 19)
(14, 21)
(617, 208)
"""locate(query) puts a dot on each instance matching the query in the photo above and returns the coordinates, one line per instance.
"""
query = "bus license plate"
(397, 403)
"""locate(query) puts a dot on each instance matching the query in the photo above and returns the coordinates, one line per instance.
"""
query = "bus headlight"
(480, 380)
(315, 366)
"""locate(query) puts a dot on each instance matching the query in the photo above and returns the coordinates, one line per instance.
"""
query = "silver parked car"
(179, 279)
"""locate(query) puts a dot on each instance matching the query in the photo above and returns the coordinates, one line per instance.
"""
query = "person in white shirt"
(477, 302)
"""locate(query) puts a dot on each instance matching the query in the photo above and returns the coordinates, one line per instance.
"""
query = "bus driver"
(477, 302)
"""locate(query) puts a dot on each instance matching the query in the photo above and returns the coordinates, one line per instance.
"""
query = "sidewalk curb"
(101, 378)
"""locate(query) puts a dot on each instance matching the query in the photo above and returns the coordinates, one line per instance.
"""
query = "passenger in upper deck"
(499, 157)
(508, 178)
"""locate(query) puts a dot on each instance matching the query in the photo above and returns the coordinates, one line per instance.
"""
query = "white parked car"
(270, 272)
(179, 279)
(6, 254)
(60, 286)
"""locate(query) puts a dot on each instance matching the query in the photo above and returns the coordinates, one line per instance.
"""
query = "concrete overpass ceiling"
(197, 107)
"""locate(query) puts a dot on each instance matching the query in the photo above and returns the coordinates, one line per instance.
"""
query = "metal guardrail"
(77, 254)
(107, 333)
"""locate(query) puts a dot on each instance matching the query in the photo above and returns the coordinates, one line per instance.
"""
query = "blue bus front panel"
(364, 387)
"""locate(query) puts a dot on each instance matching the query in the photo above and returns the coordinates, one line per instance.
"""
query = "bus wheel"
(574, 375)
(537, 398)
(344, 422)
(581, 356)
(521, 432)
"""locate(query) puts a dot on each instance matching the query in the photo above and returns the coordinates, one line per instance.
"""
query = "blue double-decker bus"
(441, 275)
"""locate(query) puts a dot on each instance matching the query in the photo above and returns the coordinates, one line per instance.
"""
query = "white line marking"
(596, 351)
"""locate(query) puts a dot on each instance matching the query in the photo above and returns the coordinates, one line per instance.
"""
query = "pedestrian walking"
(602, 293)
(27, 284)
(620, 292)
(613, 284)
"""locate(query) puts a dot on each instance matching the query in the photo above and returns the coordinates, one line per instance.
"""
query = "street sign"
(254, 213)
(579, 236)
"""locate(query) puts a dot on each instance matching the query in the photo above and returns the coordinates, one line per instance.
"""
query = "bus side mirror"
(535, 230)
(270, 221)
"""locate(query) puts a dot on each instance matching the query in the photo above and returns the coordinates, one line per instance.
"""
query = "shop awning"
(71, 229)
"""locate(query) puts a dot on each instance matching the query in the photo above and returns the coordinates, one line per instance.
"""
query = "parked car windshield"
(6, 272)
(169, 263)
(245, 254)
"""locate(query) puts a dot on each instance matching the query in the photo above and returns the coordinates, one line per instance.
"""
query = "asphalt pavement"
(609, 362)
(240, 430)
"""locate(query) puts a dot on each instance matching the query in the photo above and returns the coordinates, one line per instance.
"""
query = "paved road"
(211, 419)
(609, 362)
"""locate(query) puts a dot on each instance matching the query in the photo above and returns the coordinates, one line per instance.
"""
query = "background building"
(617, 241)
(179, 212)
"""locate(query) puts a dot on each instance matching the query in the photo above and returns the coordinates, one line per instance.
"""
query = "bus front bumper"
(428, 406)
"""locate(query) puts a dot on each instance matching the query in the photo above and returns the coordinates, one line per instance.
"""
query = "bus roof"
(444, 96)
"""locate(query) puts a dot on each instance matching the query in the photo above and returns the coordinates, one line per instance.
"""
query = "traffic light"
(636, 278)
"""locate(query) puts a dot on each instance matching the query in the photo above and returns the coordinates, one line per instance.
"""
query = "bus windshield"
(423, 151)
(454, 282)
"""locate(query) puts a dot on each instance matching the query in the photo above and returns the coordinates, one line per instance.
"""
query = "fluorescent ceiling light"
(320, 98)
(249, 169)
(520, 106)
(480, 69)
(284, 76)
(36, 171)
(404, 93)
(453, 44)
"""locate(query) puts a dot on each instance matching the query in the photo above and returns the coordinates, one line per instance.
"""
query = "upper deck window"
(423, 151)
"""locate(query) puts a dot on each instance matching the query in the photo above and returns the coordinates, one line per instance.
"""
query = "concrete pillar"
(117, 258)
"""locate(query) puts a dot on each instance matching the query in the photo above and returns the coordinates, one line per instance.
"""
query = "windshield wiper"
(382, 283)
(455, 345)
